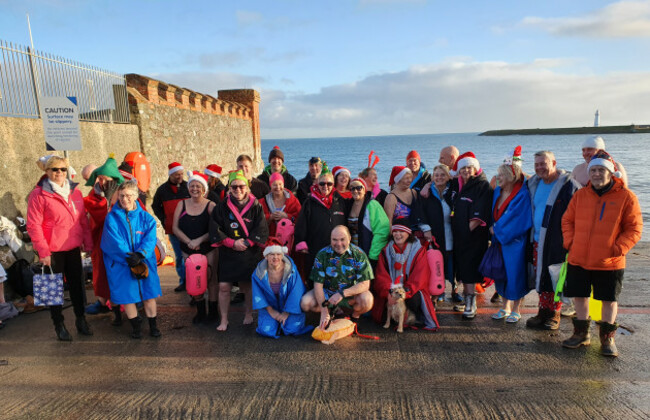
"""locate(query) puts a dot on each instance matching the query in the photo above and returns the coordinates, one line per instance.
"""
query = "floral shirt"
(337, 272)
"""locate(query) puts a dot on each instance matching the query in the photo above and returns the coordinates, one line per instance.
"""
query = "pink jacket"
(55, 225)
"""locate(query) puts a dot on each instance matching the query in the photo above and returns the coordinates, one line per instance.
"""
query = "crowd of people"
(337, 244)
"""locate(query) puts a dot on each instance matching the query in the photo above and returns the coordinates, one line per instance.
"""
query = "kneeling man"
(341, 275)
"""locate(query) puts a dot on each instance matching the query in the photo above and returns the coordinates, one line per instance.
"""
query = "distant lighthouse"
(597, 119)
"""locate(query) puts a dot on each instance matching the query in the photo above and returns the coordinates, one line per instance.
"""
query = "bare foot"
(222, 327)
(248, 319)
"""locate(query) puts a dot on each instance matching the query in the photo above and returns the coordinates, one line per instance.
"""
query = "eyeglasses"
(356, 188)
(59, 169)
(237, 187)
(329, 184)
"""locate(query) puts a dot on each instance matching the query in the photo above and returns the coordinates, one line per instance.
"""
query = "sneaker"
(180, 288)
(568, 310)
(97, 308)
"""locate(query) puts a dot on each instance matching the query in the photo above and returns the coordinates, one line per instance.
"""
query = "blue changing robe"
(288, 300)
(511, 231)
(124, 232)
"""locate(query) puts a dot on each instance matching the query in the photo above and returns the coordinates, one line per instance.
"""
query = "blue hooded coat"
(124, 232)
(511, 232)
(288, 300)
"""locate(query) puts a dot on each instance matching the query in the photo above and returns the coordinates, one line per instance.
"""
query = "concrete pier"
(480, 369)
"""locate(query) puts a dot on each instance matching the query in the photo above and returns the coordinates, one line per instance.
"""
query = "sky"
(333, 68)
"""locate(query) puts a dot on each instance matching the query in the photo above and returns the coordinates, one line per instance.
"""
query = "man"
(550, 192)
(216, 190)
(448, 156)
(601, 225)
(420, 174)
(164, 204)
(341, 275)
(304, 185)
(258, 188)
(589, 148)
(276, 165)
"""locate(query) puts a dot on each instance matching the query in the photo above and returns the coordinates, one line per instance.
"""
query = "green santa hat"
(109, 169)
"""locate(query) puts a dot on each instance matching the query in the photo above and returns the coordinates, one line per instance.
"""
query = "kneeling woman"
(277, 290)
(404, 263)
(129, 247)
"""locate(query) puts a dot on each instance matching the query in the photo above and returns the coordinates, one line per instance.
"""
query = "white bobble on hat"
(594, 142)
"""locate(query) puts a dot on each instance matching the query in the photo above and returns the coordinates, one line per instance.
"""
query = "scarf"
(326, 201)
(400, 261)
(499, 210)
(63, 191)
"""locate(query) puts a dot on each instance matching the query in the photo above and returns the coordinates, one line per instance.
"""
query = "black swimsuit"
(194, 227)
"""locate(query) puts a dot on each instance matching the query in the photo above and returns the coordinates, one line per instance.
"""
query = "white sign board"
(60, 123)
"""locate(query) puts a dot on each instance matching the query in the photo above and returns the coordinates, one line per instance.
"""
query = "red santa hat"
(199, 177)
(213, 170)
(397, 174)
(359, 181)
(466, 159)
(174, 167)
(602, 158)
(338, 169)
(274, 247)
(413, 154)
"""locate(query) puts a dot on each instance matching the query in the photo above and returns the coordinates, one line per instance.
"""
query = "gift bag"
(48, 288)
(492, 265)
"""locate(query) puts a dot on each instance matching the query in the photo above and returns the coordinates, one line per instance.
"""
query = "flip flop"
(500, 315)
(513, 318)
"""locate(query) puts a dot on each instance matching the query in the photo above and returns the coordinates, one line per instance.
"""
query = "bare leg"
(609, 312)
(2, 292)
(247, 289)
(362, 304)
(308, 302)
(224, 305)
(130, 310)
(150, 308)
(516, 305)
(582, 308)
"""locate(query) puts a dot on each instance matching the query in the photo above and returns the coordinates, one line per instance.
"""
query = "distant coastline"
(612, 129)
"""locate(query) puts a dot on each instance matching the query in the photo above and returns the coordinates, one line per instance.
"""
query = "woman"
(404, 263)
(600, 226)
(129, 246)
(511, 223)
(471, 198)
(277, 290)
(342, 181)
(191, 226)
(435, 219)
(58, 225)
(402, 199)
(369, 175)
(279, 204)
(238, 226)
(367, 221)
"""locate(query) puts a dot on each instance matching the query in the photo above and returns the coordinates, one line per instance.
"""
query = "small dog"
(398, 310)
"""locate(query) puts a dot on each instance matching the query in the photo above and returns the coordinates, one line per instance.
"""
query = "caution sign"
(60, 117)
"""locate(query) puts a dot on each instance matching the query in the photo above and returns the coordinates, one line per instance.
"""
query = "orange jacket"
(599, 231)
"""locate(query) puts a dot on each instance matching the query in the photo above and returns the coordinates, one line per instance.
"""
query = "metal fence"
(26, 75)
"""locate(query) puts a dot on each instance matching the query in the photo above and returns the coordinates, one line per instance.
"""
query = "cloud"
(245, 17)
(624, 19)
(457, 96)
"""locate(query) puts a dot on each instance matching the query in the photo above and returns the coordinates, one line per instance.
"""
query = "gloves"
(134, 258)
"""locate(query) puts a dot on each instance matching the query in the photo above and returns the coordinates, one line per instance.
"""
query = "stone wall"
(178, 124)
(22, 142)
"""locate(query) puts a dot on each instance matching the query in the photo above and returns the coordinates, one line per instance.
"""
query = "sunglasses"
(329, 184)
(59, 169)
(237, 187)
(356, 188)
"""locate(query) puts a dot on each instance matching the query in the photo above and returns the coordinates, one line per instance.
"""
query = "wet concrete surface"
(480, 369)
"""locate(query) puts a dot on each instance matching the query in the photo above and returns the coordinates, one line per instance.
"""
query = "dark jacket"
(259, 188)
(217, 193)
(165, 201)
(303, 188)
(290, 182)
(420, 179)
(429, 212)
(473, 201)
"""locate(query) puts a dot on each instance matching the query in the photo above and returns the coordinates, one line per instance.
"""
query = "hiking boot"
(153, 328)
(581, 336)
(136, 324)
(200, 312)
(82, 326)
(553, 322)
(470, 307)
(62, 332)
(537, 322)
(607, 344)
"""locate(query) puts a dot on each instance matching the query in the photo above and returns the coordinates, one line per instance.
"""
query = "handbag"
(492, 265)
(48, 288)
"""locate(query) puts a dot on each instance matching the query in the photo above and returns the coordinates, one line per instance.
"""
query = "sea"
(352, 153)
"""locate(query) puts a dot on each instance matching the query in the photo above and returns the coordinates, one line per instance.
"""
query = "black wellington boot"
(153, 328)
(200, 312)
(136, 324)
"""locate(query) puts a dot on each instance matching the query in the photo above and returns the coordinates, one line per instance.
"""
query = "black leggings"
(69, 263)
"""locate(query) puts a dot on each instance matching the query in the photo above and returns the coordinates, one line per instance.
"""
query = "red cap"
(174, 167)
(397, 173)
(213, 170)
(413, 154)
